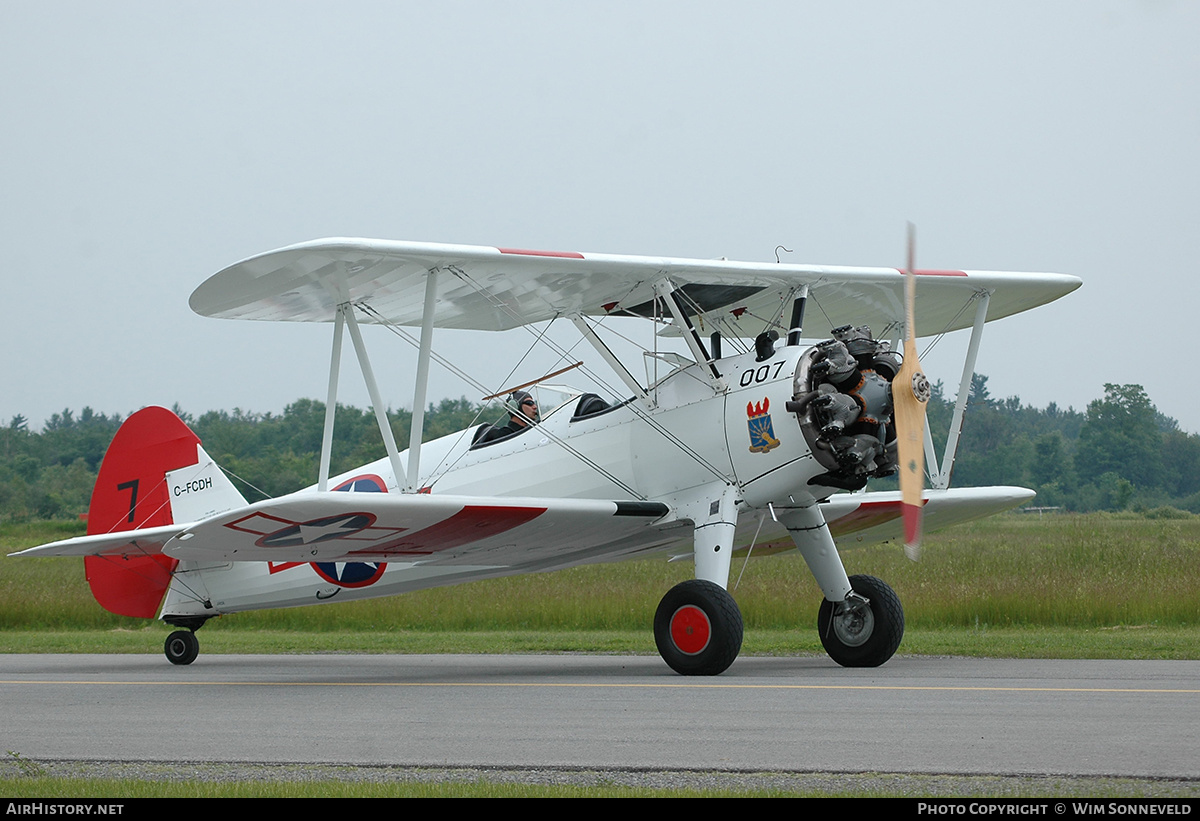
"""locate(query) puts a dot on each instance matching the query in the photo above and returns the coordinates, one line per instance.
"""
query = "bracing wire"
(518, 321)
(945, 328)
(556, 439)
(761, 518)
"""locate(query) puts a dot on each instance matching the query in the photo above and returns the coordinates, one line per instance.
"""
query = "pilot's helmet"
(514, 403)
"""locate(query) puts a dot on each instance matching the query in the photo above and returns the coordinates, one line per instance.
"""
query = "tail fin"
(154, 473)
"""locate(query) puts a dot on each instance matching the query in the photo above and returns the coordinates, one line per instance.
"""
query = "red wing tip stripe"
(529, 252)
(532, 253)
(930, 272)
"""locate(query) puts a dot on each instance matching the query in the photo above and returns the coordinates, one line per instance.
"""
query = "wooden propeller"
(910, 394)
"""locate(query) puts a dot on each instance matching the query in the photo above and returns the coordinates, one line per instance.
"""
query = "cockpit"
(581, 406)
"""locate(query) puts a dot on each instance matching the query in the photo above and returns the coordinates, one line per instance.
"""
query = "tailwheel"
(866, 628)
(182, 647)
(698, 628)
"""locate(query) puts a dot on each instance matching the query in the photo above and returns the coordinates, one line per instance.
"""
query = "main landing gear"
(182, 646)
(698, 628)
(866, 628)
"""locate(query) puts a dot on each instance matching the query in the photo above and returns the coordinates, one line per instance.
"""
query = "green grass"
(172, 780)
(1067, 586)
(1144, 642)
(23, 778)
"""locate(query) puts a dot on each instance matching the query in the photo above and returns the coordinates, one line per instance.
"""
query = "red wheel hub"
(690, 629)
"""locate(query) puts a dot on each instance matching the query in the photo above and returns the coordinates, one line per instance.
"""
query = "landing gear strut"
(866, 628)
(698, 628)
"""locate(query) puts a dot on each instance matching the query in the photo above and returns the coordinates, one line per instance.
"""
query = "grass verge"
(1094, 586)
(126, 780)
(1138, 642)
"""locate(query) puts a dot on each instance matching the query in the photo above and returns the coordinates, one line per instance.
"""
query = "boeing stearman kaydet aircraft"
(706, 455)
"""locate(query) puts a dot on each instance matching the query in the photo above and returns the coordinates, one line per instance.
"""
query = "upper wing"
(487, 288)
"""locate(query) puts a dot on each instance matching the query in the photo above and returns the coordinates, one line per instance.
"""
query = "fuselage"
(684, 449)
(690, 438)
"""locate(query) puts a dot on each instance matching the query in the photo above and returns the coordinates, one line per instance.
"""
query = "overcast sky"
(147, 145)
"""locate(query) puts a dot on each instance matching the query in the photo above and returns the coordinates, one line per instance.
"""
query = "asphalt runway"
(913, 715)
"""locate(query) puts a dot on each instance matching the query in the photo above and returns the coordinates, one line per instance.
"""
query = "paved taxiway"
(1130, 718)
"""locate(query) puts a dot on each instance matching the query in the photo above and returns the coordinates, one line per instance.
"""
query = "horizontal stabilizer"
(148, 541)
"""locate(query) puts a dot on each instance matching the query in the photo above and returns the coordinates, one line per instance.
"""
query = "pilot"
(523, 412)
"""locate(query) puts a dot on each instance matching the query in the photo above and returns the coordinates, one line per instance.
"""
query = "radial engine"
(842, 396)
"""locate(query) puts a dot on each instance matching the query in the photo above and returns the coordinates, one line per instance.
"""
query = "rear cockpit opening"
(842, 397)
(590, 405)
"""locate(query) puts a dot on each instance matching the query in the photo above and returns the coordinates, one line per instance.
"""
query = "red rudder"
(130, 493)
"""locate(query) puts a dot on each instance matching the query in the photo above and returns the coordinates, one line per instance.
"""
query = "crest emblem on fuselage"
(762, 432)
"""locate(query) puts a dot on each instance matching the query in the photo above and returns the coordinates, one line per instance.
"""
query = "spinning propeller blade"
(910, 393)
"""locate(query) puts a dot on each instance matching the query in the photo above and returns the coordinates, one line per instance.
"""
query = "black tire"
(182, 647)
(862, 635)
(698, 628)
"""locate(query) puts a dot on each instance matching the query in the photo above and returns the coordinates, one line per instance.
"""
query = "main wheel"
(698, 628)
(182, 647)
(862, 634)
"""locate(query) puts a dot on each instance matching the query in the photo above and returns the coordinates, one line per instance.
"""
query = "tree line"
(1120, 453)
(49, 474)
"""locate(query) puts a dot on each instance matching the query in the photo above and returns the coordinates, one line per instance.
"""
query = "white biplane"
(709, 454)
